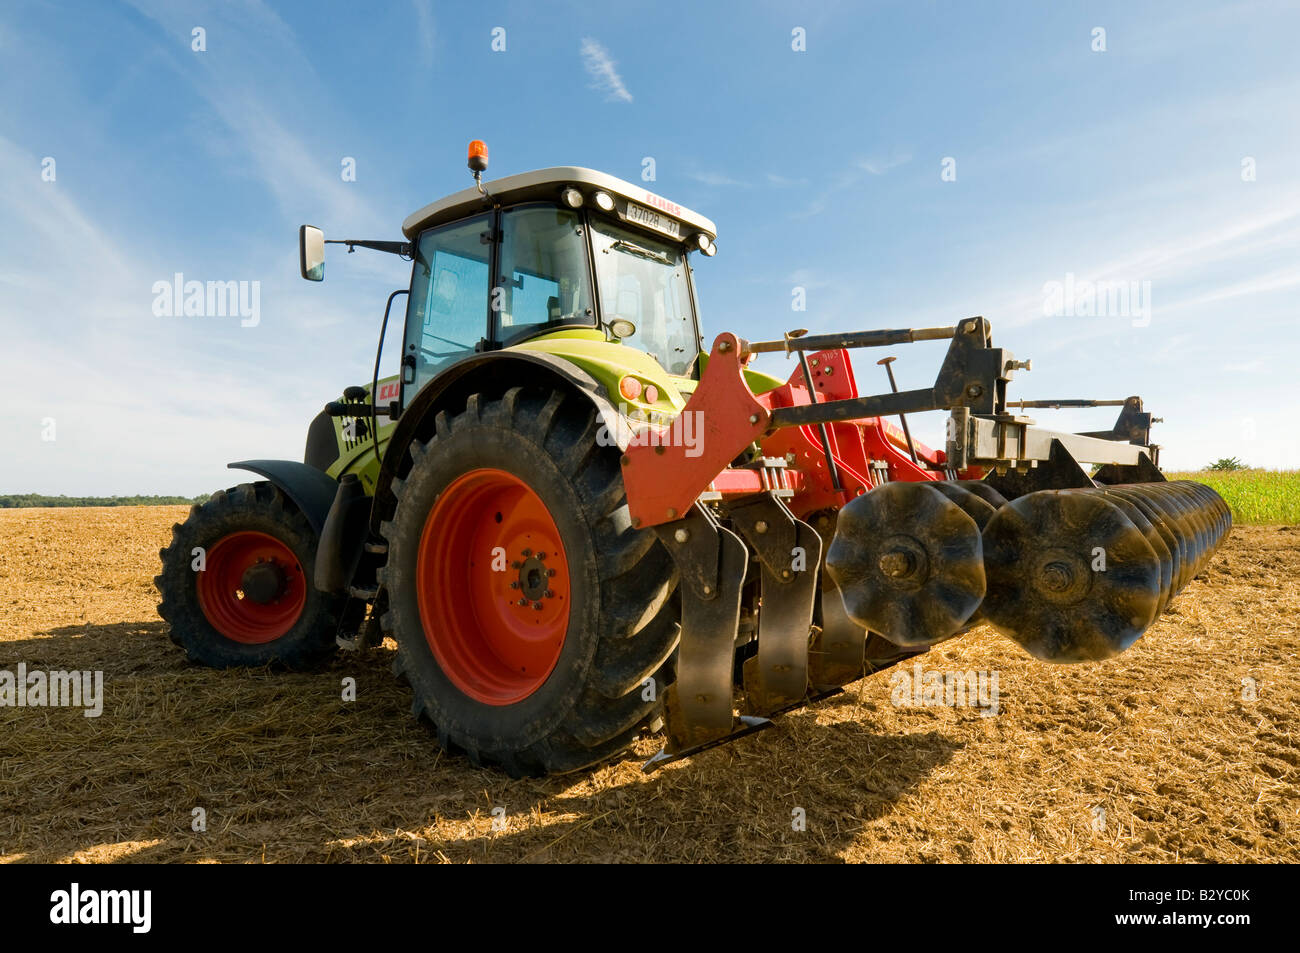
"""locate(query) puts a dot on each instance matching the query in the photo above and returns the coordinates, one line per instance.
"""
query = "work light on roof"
(705, 244)
(604, 201)
(571, 197)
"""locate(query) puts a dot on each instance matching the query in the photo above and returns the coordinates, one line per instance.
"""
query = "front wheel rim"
(493, 586)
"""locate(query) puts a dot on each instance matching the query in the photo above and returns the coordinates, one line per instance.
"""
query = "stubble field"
(1186, 748)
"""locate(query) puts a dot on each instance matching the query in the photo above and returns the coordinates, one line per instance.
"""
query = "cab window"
(542, 277)
(447, 311)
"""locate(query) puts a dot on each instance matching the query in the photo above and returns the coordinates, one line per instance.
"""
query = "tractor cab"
(555, 250)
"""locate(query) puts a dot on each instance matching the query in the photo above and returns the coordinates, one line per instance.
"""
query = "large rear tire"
(253, 602)
(529, 615)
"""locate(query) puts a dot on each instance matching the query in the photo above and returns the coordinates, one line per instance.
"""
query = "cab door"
(447, 311)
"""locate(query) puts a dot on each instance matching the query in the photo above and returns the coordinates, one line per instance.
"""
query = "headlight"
(622, 328)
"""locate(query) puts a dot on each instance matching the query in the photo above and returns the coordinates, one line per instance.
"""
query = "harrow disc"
(1175, 543)
(973, 505)
(908, 562)
(1070, 577)
(983, 491)
(1158, 545)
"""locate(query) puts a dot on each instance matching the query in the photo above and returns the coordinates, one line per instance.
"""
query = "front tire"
(530, 617)
(253, 602)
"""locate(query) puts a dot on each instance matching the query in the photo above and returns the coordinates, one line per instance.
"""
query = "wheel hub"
(263, 582)
(535, 577)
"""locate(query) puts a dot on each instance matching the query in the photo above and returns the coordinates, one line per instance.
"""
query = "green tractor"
(578, 524)
(471, 508)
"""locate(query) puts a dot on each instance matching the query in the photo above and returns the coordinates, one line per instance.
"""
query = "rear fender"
(310, 490)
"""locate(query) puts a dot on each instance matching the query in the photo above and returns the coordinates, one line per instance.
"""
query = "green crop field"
(1256, 496)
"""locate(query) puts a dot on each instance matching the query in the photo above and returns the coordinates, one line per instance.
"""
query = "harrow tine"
(789, 552)
(837, 656)
(748, 724)
(712, 562)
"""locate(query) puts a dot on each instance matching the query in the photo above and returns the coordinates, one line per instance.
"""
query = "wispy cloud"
(784, 182)
(425, 30)
(878, 165)
(283, 150)
(601, 68)
(717, 179)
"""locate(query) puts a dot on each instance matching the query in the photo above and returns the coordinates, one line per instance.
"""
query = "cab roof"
(546, 185)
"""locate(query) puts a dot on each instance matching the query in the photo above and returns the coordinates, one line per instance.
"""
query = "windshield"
(644, 280)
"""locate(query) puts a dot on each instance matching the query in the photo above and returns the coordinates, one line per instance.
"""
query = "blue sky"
(822, 168)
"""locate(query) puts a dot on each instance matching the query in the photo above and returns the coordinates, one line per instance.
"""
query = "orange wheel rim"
(493, 586)
(252, 588)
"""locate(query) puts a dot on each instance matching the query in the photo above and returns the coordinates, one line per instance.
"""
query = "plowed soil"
(1185, 748)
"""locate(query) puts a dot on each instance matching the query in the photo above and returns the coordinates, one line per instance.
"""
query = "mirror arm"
(401, 249)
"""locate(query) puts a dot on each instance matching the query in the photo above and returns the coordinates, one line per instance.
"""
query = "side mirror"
(311, 253)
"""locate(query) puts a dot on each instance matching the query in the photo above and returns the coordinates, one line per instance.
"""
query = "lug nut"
(527, 553)
(550, 593)
(537, 605)
(515, 584)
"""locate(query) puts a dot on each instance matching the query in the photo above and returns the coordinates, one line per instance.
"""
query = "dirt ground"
(1163, 754)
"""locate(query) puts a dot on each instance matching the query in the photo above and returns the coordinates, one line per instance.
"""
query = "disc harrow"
(1078, 575)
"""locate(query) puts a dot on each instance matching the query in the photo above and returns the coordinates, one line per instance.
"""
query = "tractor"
(578, 523)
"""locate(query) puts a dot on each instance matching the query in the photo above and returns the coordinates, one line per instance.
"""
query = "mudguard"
(310, 490)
